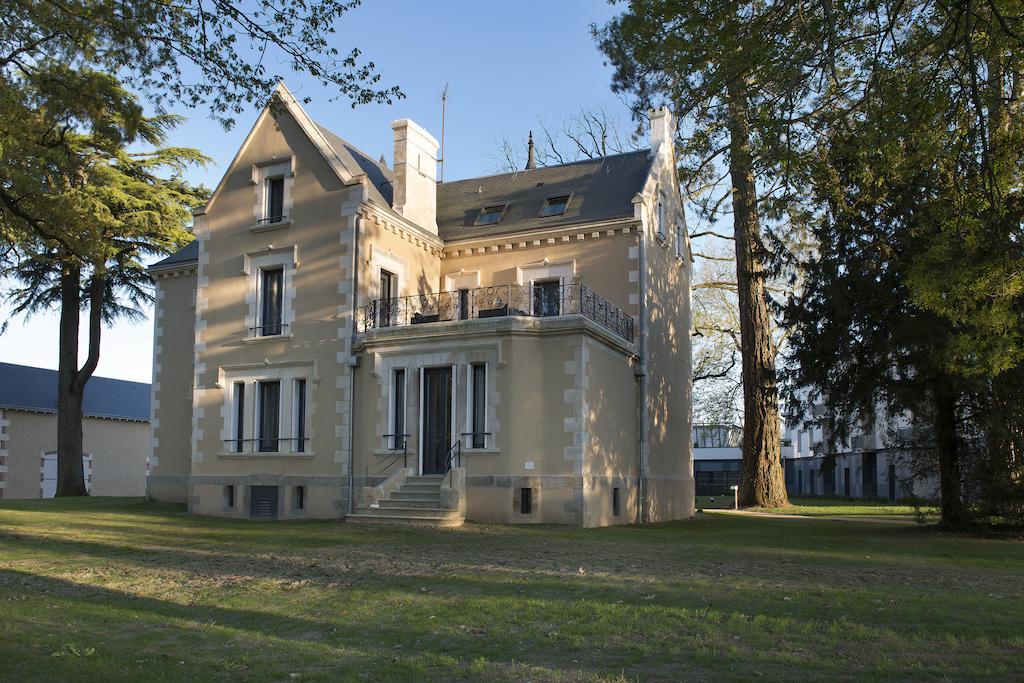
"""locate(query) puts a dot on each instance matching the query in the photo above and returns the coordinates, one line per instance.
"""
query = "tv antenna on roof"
(444, 101)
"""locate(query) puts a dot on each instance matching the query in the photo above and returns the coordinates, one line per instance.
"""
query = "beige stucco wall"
(118, 449)
(550, 382)
(562, 395)
(669, 393)
(602, 262)
(171, 423)
(315, 247)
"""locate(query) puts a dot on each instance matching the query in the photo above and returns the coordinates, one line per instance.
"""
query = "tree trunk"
(950, 494)
(763, 483)
(71, 380)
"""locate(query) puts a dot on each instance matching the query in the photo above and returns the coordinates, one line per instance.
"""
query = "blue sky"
(508, 63)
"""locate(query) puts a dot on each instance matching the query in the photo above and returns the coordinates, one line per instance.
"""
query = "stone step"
(361, 517)
(423, 488)
(415, 495)
(399, 511)
(425, 477)
(422, 503)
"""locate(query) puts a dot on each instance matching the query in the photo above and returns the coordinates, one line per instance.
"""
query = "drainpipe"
(352, 365)
(641, 375)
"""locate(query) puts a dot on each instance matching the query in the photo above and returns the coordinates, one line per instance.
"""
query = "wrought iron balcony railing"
(536, 301)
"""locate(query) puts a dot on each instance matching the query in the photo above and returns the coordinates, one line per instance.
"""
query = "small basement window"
(300, 498)
(229, 496)
(491, 214)
(555, 206)
(526, 501)
(616, 502)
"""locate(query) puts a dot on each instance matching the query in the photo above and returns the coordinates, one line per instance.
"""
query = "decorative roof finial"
(531, 163)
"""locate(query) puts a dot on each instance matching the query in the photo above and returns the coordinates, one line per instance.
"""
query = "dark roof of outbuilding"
(187, 254)
(35, 389)
(601, 189)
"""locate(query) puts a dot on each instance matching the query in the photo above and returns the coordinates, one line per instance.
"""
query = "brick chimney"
(415, 181)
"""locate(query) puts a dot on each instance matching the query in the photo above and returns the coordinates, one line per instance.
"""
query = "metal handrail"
(496, 301)
(300, 440)
(272, 219)
(394, 455)
(454, 455)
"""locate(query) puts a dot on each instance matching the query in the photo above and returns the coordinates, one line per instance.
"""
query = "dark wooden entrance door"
(437, 419)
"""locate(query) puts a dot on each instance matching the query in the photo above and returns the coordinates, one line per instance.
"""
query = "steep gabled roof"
(379, 175)
(35, 389)
(601, 189)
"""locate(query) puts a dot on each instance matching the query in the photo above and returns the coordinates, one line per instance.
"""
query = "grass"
(829, 507)
(122, 589)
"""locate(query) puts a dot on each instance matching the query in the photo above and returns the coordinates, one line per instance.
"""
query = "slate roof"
(601, 189)
(26, 388)
(187, 254)
(380, 176)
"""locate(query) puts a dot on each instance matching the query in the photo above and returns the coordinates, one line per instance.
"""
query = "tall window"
(271, 302)
(388, 293)
(478, 405)
(398, 409)
(269, 416)
(239, 417)
(300, 416)
(275, 200)
(661, 216)
(679, 239)
(547, 297)
(463, 304)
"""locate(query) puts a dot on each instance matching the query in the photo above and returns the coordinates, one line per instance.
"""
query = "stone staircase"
(416, 501)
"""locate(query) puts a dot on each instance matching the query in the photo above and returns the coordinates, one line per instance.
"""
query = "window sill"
(255, 456)
(268, 338)
(268, 227)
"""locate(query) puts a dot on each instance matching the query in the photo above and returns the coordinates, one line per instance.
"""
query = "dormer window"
(275, 200)
(555, 206)
(491, 214)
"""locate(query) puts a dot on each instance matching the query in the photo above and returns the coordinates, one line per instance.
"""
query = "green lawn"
(122, 589)
(828, 507)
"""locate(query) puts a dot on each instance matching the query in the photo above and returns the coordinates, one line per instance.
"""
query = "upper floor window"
(680, 238)
(660, 218)
(555, 206)
(299, 415)
(273, 185)
(491, 214)
(271, 302)
(547, 297)
(274, 211)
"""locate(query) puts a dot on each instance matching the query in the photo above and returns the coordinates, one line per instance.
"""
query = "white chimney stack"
(415, 182)
(663, 127)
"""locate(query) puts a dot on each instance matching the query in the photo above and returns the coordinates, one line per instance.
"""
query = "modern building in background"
(350, 339)
(115, 434)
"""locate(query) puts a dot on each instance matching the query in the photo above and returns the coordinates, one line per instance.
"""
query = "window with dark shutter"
(478, 423)
(398, 410)
(300, 416)
(239, 417)
(270, 416)
(271, 304)
(275, 200)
